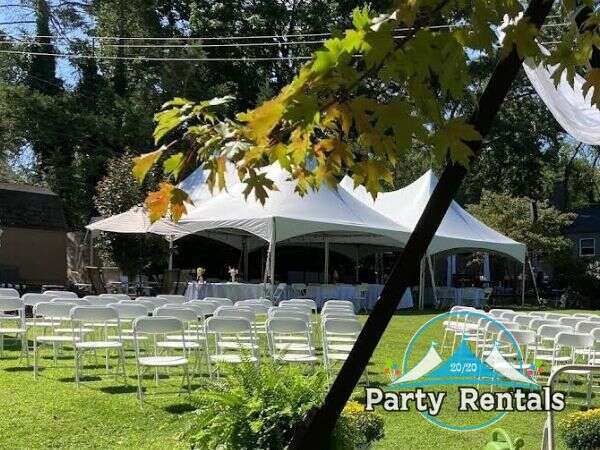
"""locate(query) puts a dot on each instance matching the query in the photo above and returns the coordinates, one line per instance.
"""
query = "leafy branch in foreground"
(326, 123)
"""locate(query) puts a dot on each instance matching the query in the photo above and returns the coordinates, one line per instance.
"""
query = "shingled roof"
(587, 221)
(25, 206)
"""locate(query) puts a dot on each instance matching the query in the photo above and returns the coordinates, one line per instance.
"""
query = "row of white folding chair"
(338, 304)
(220, 301)
(338, 338)
(9, 292)
(290, 340)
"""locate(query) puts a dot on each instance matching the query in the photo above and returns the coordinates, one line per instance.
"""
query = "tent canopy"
(458, 230)
(326, 213)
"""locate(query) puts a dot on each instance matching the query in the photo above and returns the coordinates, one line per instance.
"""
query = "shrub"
(581, 430)
(257, 408)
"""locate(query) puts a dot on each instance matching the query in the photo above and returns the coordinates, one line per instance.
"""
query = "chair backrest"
(60, 294)
(521, 337)
(31, 299)
(550, 331)
(586, 326)
(535, 324)
(287, 325)
(93, 313)
(296, 305)
(342, 326)
(11, 304)
(290, 313)
(96, 300)
(522, 319)
(8, 292)
(574, 340)
(583, 315)
(71, 301)
(202, 308)
(173, 298)
(227, 325)
(346, 303)
(570, 321)
(304, 301)
(463, 308)
(186, 315)
(338, 312)
(554, 316)
(510, 315)
(147, 304)
(156, 301)
(594, 319)
(539, 314)
(256, 307)
(232, 311)
(117, 296)
(51, 310)
(221, 301)
(157, 325)
(129, 310)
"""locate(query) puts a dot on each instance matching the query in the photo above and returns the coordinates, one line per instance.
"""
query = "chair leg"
(187, 375)
(35, 358)
(140, 388)
(77, 361)
(122, 361)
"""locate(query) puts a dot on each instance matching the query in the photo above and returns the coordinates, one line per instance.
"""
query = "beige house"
(33, 240)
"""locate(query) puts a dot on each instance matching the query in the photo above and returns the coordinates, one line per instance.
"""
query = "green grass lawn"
(52, 412)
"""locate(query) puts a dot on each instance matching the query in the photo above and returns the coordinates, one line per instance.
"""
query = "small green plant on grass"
(581, 430)
(257, 407)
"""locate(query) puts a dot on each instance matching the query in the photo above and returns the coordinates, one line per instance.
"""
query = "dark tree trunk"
(42, 71)
(316, 432)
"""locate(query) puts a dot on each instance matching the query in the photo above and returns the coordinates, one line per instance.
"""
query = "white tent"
(458, 230)
(327, 215)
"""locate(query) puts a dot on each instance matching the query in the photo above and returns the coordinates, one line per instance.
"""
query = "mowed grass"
(52, 412)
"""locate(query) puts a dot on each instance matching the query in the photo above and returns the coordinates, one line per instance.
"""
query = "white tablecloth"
(232, 291)
(319, 293)
(469, 296)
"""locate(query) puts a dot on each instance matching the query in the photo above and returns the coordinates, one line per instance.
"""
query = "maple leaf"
(177, 203)
(299, 145)
(165, 122)
(157, 202)
(592, 81)
(335, 151)
(303, 108)
(522, 35)
(451, 138)
(360, 18)
(397, 117)
(371, 174)
(173, 165)
(260, 121)
(259, 183)
(143, 163)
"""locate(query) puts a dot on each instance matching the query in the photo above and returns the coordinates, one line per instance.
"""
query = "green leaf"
(371, 174)
(259, 183)
(451, 139)
(143, 163)
(165, 122)
(522, 35)
(361, 19)
(173, 165)
(592, 81)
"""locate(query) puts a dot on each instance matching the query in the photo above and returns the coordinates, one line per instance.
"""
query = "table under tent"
(459, 230)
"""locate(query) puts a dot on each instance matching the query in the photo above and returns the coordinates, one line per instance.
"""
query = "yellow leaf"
(371, 173)
(451, 138)
(260, 122)
(143, 163)
(157, 202)
(338, 113)
(592, 81)
(335, 151)
(299, 145)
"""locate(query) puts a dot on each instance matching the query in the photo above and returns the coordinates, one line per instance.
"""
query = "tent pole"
(272, 258)
(537, 293)
(523, 286)
(432, 279)
(170, 266)
(422, 285)
(356, 263)
(326, 270)
(91, 262)
(245, 256)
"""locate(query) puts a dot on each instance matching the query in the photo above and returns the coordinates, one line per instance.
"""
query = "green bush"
(581, 430)
(254, 407)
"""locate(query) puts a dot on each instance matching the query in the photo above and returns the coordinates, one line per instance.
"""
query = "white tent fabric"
(571, 109)
(285, 215)
(132, 221)
(458, 229)
(429, 362)
(497, 362)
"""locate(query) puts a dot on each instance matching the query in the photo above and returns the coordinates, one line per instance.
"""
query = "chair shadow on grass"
(179, 408)
(119, 389)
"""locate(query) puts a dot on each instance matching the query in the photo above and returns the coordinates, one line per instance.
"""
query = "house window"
(587, 247)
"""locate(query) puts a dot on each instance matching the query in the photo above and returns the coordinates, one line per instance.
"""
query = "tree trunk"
(318, 429)
(42, 71)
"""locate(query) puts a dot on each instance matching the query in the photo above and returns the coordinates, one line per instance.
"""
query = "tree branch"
(406, 270)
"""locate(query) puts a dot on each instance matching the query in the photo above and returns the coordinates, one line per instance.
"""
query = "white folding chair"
(539, 314)
(338, 303)
(524, 339)
(18, 329)
(301, 350)
(509, 315)
(173, 298)
(104, 317)
(194, 338)
(128, 312)
(60, 294)
(570, 321)
(243, 313)
(555, 316)
(71, 301)
(334, 350)
(545, 349)
(152, 327)
(572, 341)
(54, 315)
(156, 301)
(231, 327)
